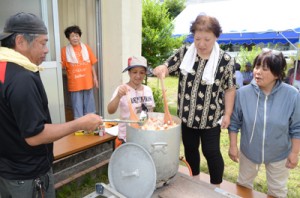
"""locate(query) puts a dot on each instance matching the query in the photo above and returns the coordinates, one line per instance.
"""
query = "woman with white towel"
(78, 59)
(206, 93)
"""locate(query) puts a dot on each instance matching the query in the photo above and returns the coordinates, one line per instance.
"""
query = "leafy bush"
(245, 56)
(157, 94)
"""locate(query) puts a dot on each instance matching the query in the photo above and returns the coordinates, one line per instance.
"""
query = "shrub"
(159, 105)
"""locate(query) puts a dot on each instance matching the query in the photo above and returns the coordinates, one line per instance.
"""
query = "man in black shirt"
(26, 132)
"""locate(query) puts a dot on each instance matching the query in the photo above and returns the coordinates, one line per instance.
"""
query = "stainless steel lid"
(131, 171)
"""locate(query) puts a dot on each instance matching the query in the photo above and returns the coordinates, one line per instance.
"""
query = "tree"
(157, 41)
(174, 7)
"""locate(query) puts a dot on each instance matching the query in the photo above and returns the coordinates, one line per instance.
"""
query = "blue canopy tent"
(287, 36)
(246, 21)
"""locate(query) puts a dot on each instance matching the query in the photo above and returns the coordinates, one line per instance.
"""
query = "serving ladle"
(140, 122)
(144, 113)
(134, 119)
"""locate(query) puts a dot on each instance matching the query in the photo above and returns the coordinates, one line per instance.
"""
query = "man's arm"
(53, 132)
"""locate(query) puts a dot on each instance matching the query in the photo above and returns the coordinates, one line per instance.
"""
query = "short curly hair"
(72, 29)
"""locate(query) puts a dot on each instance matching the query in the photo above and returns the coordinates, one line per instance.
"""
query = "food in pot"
(157, 124)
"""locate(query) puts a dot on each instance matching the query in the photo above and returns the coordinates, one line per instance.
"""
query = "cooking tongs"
(139, 122)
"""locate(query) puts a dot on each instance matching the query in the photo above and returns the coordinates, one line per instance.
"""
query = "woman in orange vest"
(79, 60)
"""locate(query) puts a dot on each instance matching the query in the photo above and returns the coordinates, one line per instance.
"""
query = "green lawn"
(231, 168)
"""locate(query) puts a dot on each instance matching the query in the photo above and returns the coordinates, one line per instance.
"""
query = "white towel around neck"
(189, 58)
(71, 56)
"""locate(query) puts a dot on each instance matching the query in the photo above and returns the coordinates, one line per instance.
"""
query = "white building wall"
(121, 34)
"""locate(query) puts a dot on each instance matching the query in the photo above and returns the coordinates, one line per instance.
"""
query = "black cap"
(23, 23)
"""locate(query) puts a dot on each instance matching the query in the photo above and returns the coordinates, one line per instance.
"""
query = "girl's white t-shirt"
(137, 98)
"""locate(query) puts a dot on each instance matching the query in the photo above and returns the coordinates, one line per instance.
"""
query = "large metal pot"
(163, 146)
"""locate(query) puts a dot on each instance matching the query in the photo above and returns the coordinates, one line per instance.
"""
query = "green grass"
(231, 168)
(171, 86)
(85, 185)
